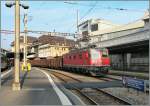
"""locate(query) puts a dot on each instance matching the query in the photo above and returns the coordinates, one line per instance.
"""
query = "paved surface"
(131, 95)
(107, 84)
(36, 90)
(130, 73)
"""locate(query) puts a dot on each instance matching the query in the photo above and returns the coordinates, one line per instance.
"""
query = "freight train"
(92, 61)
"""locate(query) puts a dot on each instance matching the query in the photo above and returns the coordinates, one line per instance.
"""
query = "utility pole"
(0, 57)
(78, 27)
(16, 83)
(77, 22)
(25, 42)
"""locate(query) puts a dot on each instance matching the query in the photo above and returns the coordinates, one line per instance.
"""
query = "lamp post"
(25, 42)
(16, 83)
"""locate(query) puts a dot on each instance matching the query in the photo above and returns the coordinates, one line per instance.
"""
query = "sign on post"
(138, 84)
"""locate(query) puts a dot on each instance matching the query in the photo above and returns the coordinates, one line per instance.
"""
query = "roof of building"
(53, 40)
(133, 25)
(30, 39)
(99, 21)
(116, 28)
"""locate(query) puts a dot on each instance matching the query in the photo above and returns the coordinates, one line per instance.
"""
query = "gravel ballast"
(133, 96)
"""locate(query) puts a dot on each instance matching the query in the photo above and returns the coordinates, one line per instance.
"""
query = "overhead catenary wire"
(89, 10)
(102, 7)
(109, 8)
(38, 32)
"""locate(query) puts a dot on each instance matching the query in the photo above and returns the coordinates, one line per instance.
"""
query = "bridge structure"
(137, 40)
(129, 49)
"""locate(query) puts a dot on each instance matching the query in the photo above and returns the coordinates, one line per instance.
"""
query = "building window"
(85, 33)
(94, 27)
(85, 26)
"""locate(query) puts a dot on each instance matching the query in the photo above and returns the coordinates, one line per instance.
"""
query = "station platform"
(37, 88)
(129, 73)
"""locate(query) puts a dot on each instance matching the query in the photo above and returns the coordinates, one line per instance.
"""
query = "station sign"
(138, 84)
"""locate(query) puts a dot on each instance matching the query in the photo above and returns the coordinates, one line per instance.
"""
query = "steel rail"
(113, 96)
(97, 89)
(91, 101)
(104, 79)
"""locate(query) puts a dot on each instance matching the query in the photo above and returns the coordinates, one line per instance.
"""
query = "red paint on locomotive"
(88, 57)
(94, 61)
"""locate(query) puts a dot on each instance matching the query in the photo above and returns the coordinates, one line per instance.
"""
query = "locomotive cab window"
(94, 54)
(104, 53)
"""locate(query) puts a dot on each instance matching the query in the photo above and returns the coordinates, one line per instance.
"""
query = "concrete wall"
(130, 61)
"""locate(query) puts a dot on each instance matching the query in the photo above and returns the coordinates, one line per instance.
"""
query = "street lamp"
(10, 4)
(16, 83)
(25, 42)
(24, 6)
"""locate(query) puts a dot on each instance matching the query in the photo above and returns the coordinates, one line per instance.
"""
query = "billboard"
(138, 84)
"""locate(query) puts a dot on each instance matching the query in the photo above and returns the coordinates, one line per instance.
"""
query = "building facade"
(30, 40)
(128, 45)
(48, 50)
(51, 46)
(92, 27)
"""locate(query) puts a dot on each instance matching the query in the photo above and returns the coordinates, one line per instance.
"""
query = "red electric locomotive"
(93, 61)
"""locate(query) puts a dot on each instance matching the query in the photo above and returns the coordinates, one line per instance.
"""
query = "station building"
(48, 46)
(45, 46)
(30, 40)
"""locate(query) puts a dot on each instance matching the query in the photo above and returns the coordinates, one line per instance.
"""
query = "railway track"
(97, 78)
(92, 96)
(84, 97)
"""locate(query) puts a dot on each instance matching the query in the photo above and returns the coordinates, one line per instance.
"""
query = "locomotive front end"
(100, 61)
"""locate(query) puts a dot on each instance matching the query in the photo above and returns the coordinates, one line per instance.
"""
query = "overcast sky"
(50, 15)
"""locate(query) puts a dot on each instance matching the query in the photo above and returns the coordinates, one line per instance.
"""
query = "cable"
(38, 32)
(93, 6)
(89, 10)
(120, 9)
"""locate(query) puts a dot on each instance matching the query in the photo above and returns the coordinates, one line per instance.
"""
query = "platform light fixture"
(16, 83)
